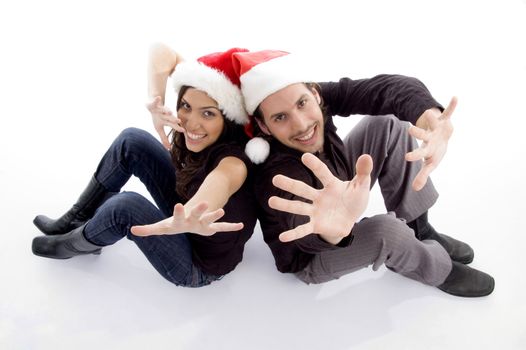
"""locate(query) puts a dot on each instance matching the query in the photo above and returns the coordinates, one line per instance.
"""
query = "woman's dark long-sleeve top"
(220, 253)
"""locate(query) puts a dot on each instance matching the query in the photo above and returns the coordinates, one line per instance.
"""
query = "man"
(321, 240)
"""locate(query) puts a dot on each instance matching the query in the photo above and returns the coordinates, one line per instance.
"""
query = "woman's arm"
(221, 183)
(200, 213)
(162, 61)
(161, 64)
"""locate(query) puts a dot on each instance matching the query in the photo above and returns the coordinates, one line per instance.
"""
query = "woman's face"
(201, 118)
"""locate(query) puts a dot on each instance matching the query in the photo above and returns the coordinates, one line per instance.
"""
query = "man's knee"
(373, 134)
(386, 229)
(383, 123)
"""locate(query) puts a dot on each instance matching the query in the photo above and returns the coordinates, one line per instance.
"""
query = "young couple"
(253, 138)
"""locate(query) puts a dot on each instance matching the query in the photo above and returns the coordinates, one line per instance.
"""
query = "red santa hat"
(261, 74)
(215, 75)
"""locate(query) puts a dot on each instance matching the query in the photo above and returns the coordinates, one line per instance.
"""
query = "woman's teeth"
(194, 136)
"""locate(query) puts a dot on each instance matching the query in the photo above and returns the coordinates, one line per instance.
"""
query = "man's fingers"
(297, 233)
(450, 108)
(421, 178)
(320, 170)
(416, 154)
(364, 165)
(293, 207)
(295, 187)
(420, 134)
(418, 183)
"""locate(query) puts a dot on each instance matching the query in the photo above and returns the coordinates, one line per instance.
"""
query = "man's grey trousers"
(386, 238)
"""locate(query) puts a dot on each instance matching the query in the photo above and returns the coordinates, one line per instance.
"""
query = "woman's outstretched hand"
(197, 220)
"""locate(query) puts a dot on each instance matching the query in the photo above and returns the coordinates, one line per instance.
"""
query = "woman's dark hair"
(259, 116)
(186, 162)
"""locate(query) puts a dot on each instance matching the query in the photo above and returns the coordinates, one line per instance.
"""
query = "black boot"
(457, 250)
(464, 281)
(64, 246)
(90, 199)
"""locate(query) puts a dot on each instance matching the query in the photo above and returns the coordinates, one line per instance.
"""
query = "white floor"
(72, 76)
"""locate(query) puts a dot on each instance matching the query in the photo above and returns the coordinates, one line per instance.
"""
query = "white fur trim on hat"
(270, 76)
(257, 150)
(215, 84)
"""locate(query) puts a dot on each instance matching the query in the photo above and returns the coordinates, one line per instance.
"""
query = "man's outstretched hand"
(335, 208)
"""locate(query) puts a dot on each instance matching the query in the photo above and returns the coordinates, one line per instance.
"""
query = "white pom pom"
(257, 150)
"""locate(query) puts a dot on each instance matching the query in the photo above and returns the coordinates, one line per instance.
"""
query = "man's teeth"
(308, 136)
(194, 136)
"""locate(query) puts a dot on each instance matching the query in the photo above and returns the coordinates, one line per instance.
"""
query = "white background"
(72, 76)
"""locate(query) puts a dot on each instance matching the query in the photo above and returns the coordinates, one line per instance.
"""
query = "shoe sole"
(97, 252)
(472, 295)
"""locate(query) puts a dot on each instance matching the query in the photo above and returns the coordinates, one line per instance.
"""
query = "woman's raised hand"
(162, 116)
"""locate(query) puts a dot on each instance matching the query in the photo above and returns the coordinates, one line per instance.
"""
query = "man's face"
(293, 116)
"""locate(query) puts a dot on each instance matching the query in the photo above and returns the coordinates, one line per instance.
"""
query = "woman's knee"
(131, 208)
(126, 200)
(131, 133)
(134, 140)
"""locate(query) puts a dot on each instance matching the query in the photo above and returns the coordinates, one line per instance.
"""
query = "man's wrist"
(340, 241)
(422, 121)
(346, 241)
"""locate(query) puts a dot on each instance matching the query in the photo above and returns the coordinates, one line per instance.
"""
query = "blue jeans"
(136, 152)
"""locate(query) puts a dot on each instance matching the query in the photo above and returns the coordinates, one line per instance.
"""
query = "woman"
(205, 169)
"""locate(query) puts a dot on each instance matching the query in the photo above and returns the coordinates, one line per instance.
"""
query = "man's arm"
(408, 99)
(405, 97)
(433, 129)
